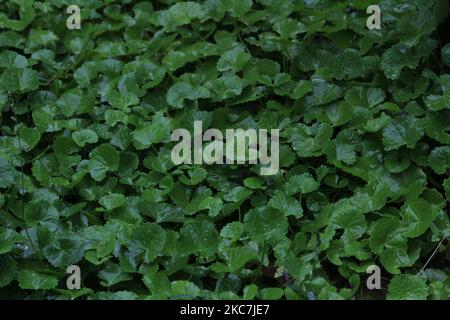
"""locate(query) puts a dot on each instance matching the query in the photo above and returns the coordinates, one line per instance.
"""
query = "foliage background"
(85, 170)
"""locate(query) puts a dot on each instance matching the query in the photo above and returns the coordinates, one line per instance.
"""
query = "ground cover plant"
(86, 176)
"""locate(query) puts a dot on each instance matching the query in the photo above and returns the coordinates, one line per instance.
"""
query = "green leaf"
(20, 80)
(112, 275)
(286, 204)
(8, 238)
(407, 287)
(405, 130)
(70, 101)
(265, 224)
(395, 258)
(179, 14)
(254, 183)
(233, 60)
(153, 133)
(65, 250)
(225, 87)
(6, 173)
(446, 185)
(184, 91)
(237, 8)
(177, 59)
(112, 201)
(84, 137)
(237, 194)
(42, 37)
(104, 158)
(271, 293)
(364, 97)
(401, 55)
(232, 231)
(186, 289)
(200, 237)
(445, 53)
(385, 233)
(122, 101)
(86, 73)
(250, 292)
(159, 284)
(417, 216)
(32, 280)
(29, 138)
(439, 159)
(237, 257)
(308, 141)
(148, 239)
(303, 183)
(112, 117)
(113, 296)
(10, 59)
(40, 211)
(8, 270)
(323, 93)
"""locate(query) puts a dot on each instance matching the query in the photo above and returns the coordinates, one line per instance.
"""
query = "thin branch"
(432, 255)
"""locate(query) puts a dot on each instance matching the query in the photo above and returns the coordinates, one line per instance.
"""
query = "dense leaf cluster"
(86, 176)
